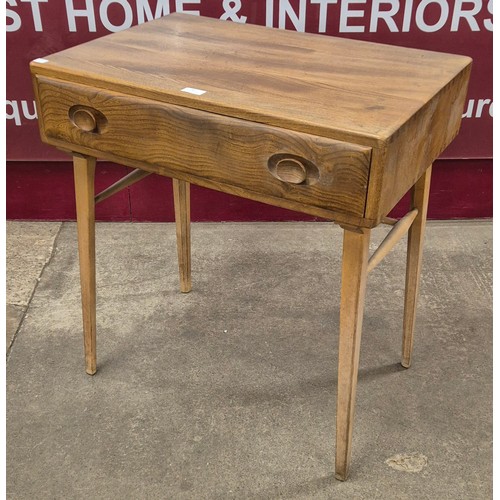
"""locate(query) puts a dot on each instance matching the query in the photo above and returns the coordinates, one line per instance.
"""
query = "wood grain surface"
(339, 88)
(84, 172)
(206, 145)
(328, 126)
(352, 297)
(415, 247)
(398, 165)
(182, 207)
(404, 103)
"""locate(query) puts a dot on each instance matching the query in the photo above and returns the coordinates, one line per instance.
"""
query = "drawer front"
(271, 161)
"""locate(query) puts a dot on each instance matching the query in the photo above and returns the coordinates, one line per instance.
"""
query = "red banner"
(37, 28)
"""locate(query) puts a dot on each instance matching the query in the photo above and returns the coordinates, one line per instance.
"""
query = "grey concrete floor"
(29, 248)
(229, 391)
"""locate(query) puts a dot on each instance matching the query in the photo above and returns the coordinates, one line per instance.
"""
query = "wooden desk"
(331, 127)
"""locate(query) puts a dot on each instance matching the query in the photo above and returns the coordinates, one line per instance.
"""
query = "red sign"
(37, 28)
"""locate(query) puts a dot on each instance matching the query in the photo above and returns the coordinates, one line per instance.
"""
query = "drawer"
(252, 157)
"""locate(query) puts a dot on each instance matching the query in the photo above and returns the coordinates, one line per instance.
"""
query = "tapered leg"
(84, 170)
(354, 273)
(183, 231)
(419, 200)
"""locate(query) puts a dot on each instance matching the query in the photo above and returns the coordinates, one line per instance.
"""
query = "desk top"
(339, 88)
(371, 118)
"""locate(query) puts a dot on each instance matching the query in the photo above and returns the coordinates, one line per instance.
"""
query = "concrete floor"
(229, 391)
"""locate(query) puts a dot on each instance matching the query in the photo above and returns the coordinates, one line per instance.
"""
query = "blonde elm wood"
(352, 296)
(84, 171)
(404, 103)
(182, 208)
(420, 201)
(165, 170)
(414, 146)
(365, 119)
(328, 86)
(291, 170)
(131, 178)
(394, 235)
(205, 145)
(85, 120)
(389, 221)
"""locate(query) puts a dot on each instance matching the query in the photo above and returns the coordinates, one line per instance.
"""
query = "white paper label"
(190, 90)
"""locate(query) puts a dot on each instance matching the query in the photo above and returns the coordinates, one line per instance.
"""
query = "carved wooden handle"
(88, 119)
(291, 170)
(85, 120)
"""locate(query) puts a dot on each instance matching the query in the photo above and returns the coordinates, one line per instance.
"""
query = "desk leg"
(84, 170)
(183, 230)
(419, 200)
(354, 273)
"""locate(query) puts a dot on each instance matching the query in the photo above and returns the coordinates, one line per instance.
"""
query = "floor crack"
(47, 262)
